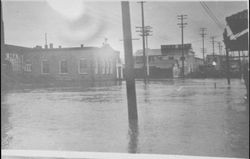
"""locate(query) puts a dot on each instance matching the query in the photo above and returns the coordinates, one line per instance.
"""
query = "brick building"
(73, 63)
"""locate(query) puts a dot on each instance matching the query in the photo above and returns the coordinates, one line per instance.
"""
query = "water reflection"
(174, 117)
(63, 86)
(5, 123)
(133, 136)
(118, 82)
(146, 93)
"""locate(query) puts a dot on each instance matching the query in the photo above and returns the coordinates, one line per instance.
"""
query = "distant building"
(198, 62)
(74, 63)
(218, 60)
(235, 63)
(166, 62)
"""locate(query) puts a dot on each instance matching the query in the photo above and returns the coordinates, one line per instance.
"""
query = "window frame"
(26, 67)
(103, 67)
(60, 67)
(96, 67)
(111, 71)
(42, 66)
(79, 66)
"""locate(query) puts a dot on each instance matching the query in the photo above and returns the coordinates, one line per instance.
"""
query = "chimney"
(51, 46)
(81, 45)
(46, 46)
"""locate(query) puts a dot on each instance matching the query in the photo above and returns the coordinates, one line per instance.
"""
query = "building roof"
(176, 46)
(236, 34)
(158, 52)
(151, 52)
(66, 48)
(238, 22)
(21, 49)
(198, 58)
(176, 49)
(16, 49)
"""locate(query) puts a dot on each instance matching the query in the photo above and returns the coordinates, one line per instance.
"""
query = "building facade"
(218, 61)
(70, 64)
(198, 62)
(14, 57)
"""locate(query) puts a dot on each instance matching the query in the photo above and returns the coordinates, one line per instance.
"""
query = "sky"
(75, 22)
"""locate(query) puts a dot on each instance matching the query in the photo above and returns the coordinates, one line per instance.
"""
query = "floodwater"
(191, 117)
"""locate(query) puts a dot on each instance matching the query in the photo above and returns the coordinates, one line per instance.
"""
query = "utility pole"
(147, 35)
(213, 37)
(143, 43)
(220, 48)
(147, 31)
(226, 41)
(203, 49)
(182, 25)
(129, 63)
(2, 38)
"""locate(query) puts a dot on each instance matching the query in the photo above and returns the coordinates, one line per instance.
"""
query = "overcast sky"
(71, 23)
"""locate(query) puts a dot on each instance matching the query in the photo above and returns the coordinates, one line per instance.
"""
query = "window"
(99, 67)
(27, 67)
(96, 66)
(164, 58)
(63, 67)
(110, 67)
(103, 67)
(45, 67)
(159, 57)
(171, 58)
(106, 67)
(83, 65)
(150, 59)
(139, 59)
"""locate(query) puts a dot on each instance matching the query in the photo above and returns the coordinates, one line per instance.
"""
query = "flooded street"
(191, 117)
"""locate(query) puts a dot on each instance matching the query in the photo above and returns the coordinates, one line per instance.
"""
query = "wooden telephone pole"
(129, 63)
(182, 25)
(203, 49)
(143, 43)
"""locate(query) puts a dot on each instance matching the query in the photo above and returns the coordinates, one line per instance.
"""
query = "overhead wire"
(211, 15)
(205, 7)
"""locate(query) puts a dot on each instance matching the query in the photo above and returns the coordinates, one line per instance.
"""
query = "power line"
(211, 15)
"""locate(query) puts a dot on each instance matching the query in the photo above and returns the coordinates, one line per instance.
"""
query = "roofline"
(22, 47)
(67, 48)
(56, 49)
(198, 58)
